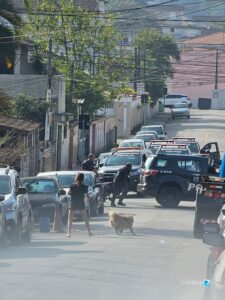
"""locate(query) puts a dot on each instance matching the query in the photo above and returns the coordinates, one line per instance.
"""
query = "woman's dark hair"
(80, 177)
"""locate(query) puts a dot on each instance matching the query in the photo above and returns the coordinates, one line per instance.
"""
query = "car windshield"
(67, 180)
(180, 105)
(122, 159)
(147, 137)
(131, 144)
(5, 186)
(158, 129)
(40, 186)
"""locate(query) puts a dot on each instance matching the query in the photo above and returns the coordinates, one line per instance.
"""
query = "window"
(189, 165)
(161, 163)
(40, 186)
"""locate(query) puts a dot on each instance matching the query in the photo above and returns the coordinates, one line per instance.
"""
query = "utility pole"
(216, 74)
(135, 68)
(49, 90)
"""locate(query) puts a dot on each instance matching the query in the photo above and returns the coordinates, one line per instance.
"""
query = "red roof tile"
(212, 39)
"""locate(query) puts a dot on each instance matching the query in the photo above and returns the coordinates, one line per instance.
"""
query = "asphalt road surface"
(162, 262)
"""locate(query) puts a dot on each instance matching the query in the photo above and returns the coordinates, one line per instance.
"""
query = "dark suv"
(172, 178)
(16, 205)
(117, 160)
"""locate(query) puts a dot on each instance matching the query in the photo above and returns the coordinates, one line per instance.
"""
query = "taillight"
(151, 172)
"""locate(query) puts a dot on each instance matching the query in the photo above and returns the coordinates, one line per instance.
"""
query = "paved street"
(162, 262)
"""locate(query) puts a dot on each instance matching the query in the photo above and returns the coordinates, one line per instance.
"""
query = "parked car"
(2, 223)
(170, 100)
(159, 128)
(169, 177)
(45, 193)
(180, 110)
(132, 143)
(147, 138)
(117, 160)
(16, 205)
(66, 178)
(148, 132)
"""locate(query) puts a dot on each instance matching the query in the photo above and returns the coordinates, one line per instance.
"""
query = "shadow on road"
(164, 232)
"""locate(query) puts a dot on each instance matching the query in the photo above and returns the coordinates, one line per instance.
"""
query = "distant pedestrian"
(89, 164)
(120, 184)
(78, 191)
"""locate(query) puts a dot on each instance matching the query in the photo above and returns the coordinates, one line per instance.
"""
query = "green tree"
(156, 53)
(81, 40)
(10, 23)
(29, 108)
(5, 103)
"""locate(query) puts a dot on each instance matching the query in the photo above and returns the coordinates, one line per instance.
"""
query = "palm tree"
(10, 23)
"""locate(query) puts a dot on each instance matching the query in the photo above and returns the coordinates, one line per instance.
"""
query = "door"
(212, 150)
(190, 171)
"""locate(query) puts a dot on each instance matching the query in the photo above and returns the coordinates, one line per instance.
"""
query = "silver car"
(180, 110)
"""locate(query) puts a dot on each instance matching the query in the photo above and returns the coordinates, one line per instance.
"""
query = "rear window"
(147, 137)
(131, 144)
(174, 96)
(189, 165)
(40, 186)
(158, 129)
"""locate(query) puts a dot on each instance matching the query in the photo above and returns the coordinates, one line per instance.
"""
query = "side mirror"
(100, 165)
(213, 239)
(22, 191)
(211, 227)
(166, 133)
(62, 192)
(2, 198)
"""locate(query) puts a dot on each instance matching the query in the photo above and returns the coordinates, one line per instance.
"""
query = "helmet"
(129, 166)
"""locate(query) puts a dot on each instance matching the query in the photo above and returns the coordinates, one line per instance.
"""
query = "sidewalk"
(160, 118)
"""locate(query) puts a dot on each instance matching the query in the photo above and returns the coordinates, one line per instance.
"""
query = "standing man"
(120, 184)
(88, 164)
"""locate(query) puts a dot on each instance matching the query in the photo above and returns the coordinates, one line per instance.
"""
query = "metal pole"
(216, 75)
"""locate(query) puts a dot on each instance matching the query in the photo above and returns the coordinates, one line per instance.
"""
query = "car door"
(212, 149)
(190, 171)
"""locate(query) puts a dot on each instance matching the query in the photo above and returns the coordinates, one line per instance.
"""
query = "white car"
(180, 110)
(159, 128)
(170, 100)
(133, 143)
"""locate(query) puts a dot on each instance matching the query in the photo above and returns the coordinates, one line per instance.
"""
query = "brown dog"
(121, 221)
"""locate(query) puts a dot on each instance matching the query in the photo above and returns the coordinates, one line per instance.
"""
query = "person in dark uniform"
(78, 191)
(88, 164)
(120, 182)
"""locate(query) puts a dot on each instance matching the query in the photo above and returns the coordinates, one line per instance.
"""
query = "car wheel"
(26, 237)
(169, 196)
(140, 195)
(188, 117)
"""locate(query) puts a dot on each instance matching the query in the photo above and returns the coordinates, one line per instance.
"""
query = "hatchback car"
(45, 194)
(16, 206)
(180, 110)
(159, 128)
(66, 178)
